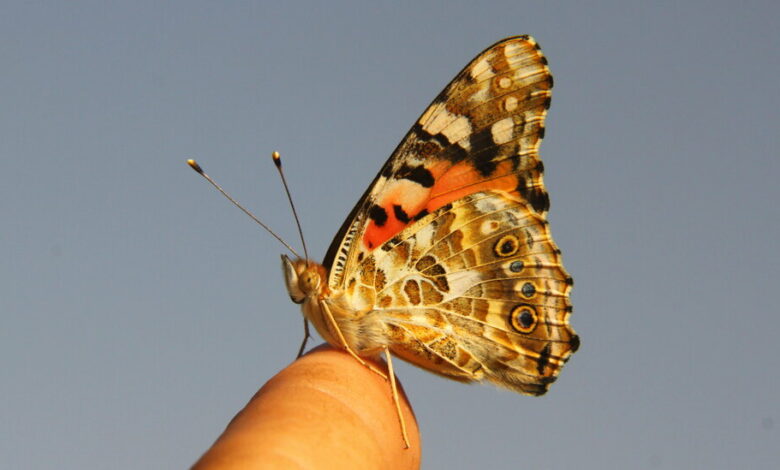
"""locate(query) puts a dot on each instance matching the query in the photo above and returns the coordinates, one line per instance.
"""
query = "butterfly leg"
(343, 341)
(396, 401)
(306, 336)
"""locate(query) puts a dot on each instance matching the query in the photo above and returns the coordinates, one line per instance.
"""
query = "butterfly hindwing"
(474, 291)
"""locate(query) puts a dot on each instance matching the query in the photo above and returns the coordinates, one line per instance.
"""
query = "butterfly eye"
(523, 319)
(506, 246)
(309, 281)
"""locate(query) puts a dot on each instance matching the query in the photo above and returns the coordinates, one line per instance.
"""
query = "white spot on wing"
(425, 235)
(440, 121)
(516, 51)
(502, 131)
(458, 129)
(480, 68)
(432, 113)
(528, 75)
(488, 227)
(460, 282)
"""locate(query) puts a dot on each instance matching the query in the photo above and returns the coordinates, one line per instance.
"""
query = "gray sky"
(139, 312)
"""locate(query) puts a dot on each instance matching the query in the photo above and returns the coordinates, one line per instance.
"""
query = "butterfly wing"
(474, 291)
(481, 132)
(470, 159)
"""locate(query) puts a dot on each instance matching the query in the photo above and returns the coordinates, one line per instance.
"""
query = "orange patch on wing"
(411, 199)
(463, 179)
(452, 182)
(376, 235)
(410, 196)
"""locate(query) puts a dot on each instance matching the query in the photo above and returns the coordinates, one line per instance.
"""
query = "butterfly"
(447, 261)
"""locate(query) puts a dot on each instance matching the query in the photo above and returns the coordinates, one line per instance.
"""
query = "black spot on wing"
(526, 320)
(400, 214)
(544, 359)
(539, 200)
(418, 174)
(485, 152)
(390, 244)
(528, 289)
(378, 215)
(421, 214)
(515, 160)
(537, 197)
(455, 153)
(546, 381)
(575, 343)
(426, 136)
(450, 151)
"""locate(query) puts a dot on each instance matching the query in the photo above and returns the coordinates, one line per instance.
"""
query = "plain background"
(139, 311)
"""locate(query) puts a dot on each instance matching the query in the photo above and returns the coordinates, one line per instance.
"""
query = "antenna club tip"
(194, 165)
(277, 159)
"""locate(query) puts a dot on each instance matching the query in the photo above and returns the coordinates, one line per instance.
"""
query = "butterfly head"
(304, 279)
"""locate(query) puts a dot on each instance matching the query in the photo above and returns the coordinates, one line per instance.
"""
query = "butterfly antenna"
(278, 162)
(194, 165)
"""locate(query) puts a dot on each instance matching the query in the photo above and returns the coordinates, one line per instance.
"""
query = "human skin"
(323, 411)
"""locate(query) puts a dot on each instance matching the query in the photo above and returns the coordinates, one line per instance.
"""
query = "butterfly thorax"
(306, 283)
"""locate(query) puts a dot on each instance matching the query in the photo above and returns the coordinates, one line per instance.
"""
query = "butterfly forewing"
(481, 132)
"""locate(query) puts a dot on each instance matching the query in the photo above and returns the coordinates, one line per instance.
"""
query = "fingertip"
(368, 395)
(325, 408)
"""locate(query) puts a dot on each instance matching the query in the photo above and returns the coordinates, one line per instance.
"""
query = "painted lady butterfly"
(447, 259)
